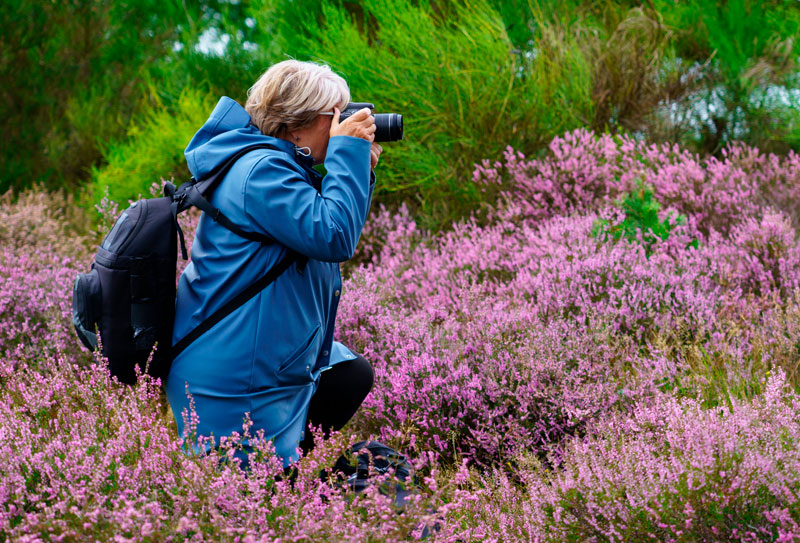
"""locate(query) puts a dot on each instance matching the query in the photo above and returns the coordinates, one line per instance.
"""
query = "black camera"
(389, 126)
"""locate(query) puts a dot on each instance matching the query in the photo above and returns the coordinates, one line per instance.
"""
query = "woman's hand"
(374, 154)
(360, 124)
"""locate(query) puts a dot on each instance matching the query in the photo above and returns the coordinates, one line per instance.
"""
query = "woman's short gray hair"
(290, 94)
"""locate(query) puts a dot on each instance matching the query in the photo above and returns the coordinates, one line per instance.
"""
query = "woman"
(274, 359)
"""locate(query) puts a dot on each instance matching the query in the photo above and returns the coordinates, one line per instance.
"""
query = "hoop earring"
(303, 151)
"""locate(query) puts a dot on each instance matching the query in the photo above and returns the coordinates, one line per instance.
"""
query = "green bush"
(464, 91)
(76, 74)
(641, 222)
(746, 53)
(72, 77)
(153, 149)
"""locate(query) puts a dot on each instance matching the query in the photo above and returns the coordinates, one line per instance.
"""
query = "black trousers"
(339, 394)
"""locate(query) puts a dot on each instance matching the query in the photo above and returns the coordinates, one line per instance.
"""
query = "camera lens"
(388, 127)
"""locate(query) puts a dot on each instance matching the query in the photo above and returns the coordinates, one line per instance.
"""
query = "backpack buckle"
(169, 189)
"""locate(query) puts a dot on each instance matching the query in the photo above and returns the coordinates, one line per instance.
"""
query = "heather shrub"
(551, 384)
(36, 306)
(397, 231)
(669, 470)
(578, 176)
(733, 360)
(40, 256)
(448, 318)
(583, 172)
(558, 270)
(498, 339)
(769, 253)
(86, 457)
(36, 218)
(480, 378)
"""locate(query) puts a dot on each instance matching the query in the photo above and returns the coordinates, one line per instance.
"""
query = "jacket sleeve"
(324, 226)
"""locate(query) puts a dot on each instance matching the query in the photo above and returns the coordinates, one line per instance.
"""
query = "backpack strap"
(196, 193)
(239, 300)
(169, 192)
(208, 184)
(193, 197)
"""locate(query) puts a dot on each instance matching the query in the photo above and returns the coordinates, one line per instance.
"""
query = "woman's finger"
(361, 115)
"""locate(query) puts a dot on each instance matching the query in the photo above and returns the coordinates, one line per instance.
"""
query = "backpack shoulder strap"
(192, 197)
(196, 193)
(238, 301)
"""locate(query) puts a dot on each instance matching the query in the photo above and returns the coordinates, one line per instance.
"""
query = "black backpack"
(128, 297)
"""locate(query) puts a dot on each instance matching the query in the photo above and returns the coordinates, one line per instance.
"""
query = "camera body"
(389, 126)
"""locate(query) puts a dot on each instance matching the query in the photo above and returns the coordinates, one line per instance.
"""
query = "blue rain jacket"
(264, 359)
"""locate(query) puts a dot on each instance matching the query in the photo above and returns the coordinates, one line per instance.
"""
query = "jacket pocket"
(296, 368)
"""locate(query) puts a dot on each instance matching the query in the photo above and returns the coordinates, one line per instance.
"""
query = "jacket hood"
(226, 131)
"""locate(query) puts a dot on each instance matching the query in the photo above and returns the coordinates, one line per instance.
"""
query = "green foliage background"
(153, 148)
(105, 92)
